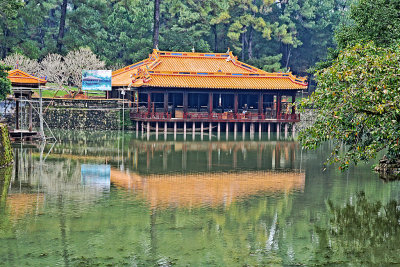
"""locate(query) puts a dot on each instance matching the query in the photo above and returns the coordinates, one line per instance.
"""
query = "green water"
(107, 199)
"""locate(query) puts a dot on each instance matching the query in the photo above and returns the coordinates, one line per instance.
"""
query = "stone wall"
(6, 153)
(79, 114)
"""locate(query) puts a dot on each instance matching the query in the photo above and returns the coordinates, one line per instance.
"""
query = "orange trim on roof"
(20, 77)
(202, 70)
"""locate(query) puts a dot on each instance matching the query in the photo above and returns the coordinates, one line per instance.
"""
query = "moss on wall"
(6, 154)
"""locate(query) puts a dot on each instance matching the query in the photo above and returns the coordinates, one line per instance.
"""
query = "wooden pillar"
(165, 102)
(30, 112)
(202, 130)
(148, 130)
(252, 130)
(173, 103)
(235, 103)
(278, 130)
(157, 130)
(286, 129)
(293, 106)
(278, 104)
(17, 113)
(293, 130)
(174, 130)
(149, 103)
(210, 104)
(142, 129)
(198, 102)
(244, 129)
(194, 131)
(184, 131)
(227, 130)
(210, 130)
(259, 130)
(260, 104)
(137, 129)
(165, 130)
(234, 130)
(269, 130)
(219, 130)
(185, 104)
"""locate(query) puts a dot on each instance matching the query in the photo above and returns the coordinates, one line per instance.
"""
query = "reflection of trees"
(362, 231)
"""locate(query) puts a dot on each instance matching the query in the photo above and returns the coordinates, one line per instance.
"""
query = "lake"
(109, 199)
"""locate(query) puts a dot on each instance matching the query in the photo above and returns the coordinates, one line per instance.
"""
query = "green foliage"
(5, 83)
(358, 105)
(372, 20)
(6, 154)
(120, 31)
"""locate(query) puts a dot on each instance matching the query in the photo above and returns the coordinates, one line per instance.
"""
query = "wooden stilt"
(142, 128)
(210, 130)
(165, 130)
(157, 130)
(219, 130)
(286, 129)
(244, 130)
(269, 130)
(234, 130)
(252, 130)
(175, 131)
(194, 131)
(227, 131)
(184, 131)
(294, 130)
(137, 129)
(148, 131)
(259, 130)
(202, 130)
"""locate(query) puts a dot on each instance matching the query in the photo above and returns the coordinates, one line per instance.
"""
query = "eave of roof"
(202, 70)
(18, 76)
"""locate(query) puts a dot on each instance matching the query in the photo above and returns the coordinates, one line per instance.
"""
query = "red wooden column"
(210, 104)
(278, 104)
(293, 101)
(185, 103)
(165, 103)
(148, 103)
(260, 104)
(235, 103)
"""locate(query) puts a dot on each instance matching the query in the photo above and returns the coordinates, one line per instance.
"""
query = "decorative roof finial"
(193, 49)
(229, 50)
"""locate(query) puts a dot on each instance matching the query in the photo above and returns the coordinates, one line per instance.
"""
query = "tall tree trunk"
(62, 25)
(250, 43)
(289, 53)
(215, 37)
(156, 27)
(243, 43)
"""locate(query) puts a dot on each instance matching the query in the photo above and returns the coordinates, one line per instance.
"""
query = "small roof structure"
(20, 78)
(202, 70)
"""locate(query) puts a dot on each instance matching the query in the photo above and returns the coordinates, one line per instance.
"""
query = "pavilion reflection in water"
(163, 173)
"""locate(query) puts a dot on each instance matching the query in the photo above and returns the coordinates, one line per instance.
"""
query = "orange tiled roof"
(19, 77)
(201, 70)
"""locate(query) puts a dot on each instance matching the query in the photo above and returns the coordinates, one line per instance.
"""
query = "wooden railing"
(227, 116)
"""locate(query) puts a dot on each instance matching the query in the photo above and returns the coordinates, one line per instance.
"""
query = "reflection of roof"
(19, 77)
(202, 70)
(207, 188)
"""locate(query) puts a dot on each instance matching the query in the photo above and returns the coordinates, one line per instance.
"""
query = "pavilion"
(182, 89)
(22, 86)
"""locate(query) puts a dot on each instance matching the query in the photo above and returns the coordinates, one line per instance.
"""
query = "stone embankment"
(6, 153)
(80, 114)
(307, 119)
(388, 169)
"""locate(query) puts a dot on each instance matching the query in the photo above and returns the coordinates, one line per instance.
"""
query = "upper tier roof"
(201, 70)
(18, 77)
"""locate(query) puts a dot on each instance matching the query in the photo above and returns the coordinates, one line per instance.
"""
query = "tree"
(23, 63)
(156, 27)
(372, 20)
(5, 83)
(78, 60)
(358, 105)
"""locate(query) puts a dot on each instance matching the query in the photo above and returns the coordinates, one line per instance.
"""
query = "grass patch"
(64, 91)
